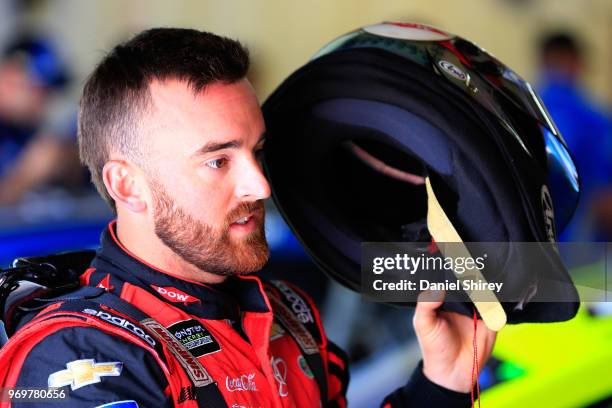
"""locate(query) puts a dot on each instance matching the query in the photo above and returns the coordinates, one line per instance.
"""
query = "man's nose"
(252, 183)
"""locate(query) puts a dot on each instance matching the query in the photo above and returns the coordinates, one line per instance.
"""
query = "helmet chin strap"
(443, 231)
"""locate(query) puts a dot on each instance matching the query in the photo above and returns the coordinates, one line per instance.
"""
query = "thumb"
(426, 314)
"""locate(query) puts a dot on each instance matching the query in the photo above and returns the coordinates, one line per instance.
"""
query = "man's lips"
(243, 220)
(246, 219)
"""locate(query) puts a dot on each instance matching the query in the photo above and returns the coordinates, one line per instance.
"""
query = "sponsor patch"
(298, 304)
(121, 322)
(196, 372)
(245, 382)
(120, 404)
(80, 373)
(299, 307)
(194, 337)
(305, 367)
(279, 368)
(303, 337)
(175, 295)
(453, 70)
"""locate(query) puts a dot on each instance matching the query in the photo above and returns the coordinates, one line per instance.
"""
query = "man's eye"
(259, 154)
(217, 163)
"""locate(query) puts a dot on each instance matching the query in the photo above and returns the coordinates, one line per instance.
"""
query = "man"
(172, 132)
(37, 123)
(587, 129)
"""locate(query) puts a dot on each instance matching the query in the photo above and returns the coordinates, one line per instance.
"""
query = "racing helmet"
(353, 135)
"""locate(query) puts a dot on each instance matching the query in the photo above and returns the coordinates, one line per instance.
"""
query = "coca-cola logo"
(245, 382)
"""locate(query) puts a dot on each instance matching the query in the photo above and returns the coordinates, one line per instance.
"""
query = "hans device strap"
(304, 336)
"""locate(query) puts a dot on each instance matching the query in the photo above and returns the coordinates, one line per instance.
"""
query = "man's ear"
(124, 185)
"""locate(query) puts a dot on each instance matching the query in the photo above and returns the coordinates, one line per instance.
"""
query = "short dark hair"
(560, 41)
(116, 93)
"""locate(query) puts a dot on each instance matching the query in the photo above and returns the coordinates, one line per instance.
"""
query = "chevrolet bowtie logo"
(80, 373)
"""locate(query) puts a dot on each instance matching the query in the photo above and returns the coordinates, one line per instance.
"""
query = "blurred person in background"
(37, 120)
(587, 129)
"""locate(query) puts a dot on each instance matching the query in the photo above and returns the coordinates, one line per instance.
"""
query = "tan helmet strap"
(443, 231)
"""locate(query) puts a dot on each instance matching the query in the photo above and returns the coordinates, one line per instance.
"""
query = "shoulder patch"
(80, 373)
(109, 317)
(196, 372)
(194, 337)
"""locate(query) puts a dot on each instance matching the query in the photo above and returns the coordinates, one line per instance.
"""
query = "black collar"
(115, 265)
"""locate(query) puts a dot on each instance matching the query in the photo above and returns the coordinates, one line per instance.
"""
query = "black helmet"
(354, 132)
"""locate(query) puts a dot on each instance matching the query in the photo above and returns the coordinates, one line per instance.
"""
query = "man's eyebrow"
(211, 147)
(262, 139)
(215, 146)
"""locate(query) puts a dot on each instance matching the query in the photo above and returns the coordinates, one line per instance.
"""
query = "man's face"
(204, 174)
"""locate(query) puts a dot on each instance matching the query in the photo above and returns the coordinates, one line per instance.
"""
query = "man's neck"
(142, 242)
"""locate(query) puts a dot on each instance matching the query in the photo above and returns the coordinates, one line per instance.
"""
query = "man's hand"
(446, 340)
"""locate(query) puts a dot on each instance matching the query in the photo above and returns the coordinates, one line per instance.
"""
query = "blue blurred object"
(12, 141)
(42, 60)
(48, 238)
(587, 130)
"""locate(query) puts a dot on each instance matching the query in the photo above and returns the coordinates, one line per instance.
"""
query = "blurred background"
(47, 49)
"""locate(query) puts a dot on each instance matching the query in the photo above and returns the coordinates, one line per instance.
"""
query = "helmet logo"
(453, 70)
(549, 214)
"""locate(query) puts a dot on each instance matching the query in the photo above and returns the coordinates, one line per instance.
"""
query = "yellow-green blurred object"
(566, 364)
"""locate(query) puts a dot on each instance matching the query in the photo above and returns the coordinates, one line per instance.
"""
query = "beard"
(209, 249)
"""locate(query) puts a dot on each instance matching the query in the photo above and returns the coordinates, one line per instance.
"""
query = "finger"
(428, 302)
(431, 299)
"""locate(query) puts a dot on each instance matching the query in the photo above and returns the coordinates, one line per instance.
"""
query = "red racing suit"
(135, 336)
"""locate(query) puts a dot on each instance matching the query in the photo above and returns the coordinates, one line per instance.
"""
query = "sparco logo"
(301, 310)
(118, 321)
(549, 214)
